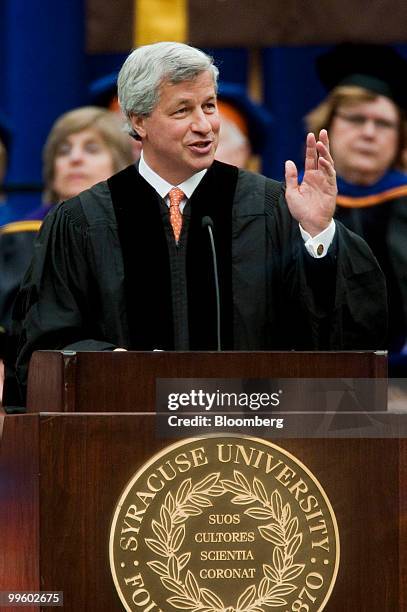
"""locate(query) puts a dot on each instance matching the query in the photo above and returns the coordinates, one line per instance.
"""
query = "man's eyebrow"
(182, 101)
(175, 103)
(188, 100)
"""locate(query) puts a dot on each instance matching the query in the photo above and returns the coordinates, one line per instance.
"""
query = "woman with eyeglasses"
(366, 120)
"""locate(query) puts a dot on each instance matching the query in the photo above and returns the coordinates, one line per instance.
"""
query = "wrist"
(313, 229)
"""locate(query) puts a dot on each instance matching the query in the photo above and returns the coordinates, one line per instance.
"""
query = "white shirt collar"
(162, 186)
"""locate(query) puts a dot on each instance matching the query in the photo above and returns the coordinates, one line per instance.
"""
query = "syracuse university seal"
(224, 524)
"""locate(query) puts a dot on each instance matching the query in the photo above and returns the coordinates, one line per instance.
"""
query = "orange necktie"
(176, 195)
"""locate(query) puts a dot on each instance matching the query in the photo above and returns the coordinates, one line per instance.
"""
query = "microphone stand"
(207, 222)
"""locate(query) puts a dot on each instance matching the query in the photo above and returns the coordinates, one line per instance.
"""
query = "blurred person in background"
(365, 115)
(103, 93)
(5, 138)
(245, 127)
(3, 166)
(85, 146)
(6, 133)
(4, 146)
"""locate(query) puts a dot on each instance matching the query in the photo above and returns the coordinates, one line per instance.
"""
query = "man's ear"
(138, 125)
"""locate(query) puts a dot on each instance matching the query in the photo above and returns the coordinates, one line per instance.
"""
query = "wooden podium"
(126, 381)
(62, 473)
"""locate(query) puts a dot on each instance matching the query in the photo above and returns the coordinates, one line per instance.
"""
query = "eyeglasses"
(359, 121)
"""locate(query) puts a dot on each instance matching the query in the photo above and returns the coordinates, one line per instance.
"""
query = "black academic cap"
(378, 68)
(5, 131)
(103, 90)
(259, 120)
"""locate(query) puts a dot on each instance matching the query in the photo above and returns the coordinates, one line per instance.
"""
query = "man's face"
(364, 139)
(181, 134)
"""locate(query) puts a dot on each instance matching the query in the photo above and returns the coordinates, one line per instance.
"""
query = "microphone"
(208, 223)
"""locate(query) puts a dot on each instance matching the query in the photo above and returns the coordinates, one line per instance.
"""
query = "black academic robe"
(16, 249)
(107, 273)
(381, 220)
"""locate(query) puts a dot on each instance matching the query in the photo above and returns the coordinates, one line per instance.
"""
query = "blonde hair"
(104, 122)
(348, 95)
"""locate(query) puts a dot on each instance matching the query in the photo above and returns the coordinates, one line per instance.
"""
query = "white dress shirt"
(163, 187)
(317, 246)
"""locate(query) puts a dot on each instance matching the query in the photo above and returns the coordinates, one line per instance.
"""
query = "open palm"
(312, 203)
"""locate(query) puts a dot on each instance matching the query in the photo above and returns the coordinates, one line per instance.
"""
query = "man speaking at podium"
(129, 263)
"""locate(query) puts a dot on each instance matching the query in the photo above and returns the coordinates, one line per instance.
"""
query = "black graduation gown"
(106, 273)
(384, 227)
(15, 255)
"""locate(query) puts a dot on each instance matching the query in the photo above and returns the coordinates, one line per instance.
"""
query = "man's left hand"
(312, 203)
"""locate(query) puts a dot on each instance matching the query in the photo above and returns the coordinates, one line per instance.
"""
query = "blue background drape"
(46, 71)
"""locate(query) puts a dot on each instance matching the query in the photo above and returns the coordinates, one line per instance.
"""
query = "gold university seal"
(224, 524)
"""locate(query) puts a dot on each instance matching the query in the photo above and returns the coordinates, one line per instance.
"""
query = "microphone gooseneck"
(207, 222)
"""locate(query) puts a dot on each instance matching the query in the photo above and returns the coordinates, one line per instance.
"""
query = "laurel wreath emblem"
(281, 530)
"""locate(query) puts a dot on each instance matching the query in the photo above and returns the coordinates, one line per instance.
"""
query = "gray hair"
(147, 67)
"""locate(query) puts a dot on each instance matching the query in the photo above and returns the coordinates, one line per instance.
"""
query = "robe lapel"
(146, 261)
(214, 198)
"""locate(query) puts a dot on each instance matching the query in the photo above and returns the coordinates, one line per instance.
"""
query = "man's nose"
(200, 122)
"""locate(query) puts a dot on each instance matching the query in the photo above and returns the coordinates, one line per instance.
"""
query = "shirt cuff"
(318, 245)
